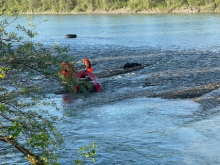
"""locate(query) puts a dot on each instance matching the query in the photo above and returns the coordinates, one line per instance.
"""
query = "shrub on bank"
(65, 6)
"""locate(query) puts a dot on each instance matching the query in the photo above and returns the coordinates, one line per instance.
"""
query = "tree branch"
(33, 158)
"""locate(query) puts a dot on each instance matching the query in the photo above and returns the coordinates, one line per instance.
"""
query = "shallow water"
(144, 131)
(127, 127)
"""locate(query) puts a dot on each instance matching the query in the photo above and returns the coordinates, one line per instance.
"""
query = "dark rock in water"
(121, 70)
(71, 36)
(130, 65)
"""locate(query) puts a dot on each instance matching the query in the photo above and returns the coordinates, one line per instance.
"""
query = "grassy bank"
(129, 11)
(109, 6)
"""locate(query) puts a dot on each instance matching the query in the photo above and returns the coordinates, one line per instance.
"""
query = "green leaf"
(2, 107)
(77, 161)
(6, 69)
(87, 155)
(93, 152)
(94, 160)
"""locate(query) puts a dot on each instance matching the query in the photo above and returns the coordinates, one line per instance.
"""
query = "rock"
(71, 36)
(130, 65)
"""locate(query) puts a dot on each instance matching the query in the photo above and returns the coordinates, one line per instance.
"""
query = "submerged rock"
(130, 65)
(189, 93)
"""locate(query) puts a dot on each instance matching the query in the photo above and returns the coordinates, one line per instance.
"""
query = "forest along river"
(127, 124)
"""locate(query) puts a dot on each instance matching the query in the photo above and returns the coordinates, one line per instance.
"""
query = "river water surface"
(129, 128)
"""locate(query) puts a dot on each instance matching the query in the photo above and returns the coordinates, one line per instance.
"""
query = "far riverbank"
(182, 10)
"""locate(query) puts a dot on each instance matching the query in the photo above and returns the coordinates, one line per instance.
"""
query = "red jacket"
(67, 70)
(88, 65)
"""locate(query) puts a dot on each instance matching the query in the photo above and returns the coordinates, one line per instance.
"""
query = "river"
(128, 127)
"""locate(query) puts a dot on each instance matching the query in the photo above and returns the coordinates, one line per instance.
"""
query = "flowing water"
(128, 127)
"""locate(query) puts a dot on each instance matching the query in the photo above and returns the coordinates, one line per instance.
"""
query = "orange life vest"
(88, 65)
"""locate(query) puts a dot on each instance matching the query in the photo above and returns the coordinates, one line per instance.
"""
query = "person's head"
(72, 63)
(84, 59)
(63, 63)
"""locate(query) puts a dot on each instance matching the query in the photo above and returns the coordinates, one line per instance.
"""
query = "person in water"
(67, 69)
(88, 66)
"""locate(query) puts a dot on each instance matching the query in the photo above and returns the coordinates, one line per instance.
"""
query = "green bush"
(195, 3)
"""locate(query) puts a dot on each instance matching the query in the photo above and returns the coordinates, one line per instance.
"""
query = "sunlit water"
(166, 31)
(139, 130)
(144, 131)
